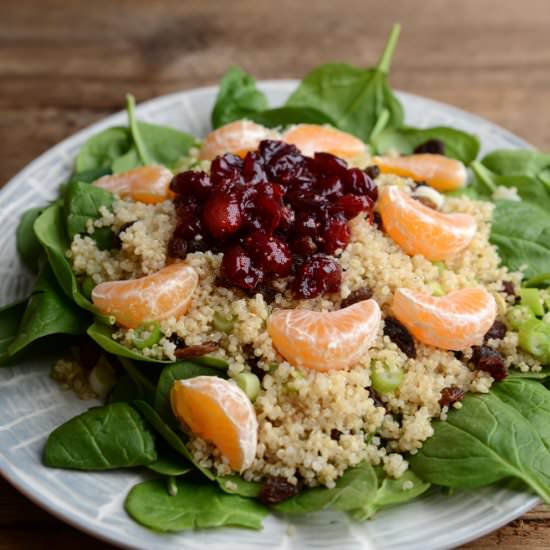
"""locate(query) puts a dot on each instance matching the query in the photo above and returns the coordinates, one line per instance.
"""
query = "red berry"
(328, 164)
(271, 254)
(192, 184)
(352, 205)
(317, 275)
(221, 214)
(238, 269)
(226, 168)
(336, 236)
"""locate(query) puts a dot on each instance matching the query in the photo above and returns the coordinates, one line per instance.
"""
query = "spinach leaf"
(155, 144)
(102, 438)
(458, 145)
(28, 246)
(354, 98)
(50, 230)
(82, 203)
(170, 463)
(10, 319)
(542, 375)
(494, 436)
(101, 150)
(390, 493)
(236, 485)
(48, 311)
(520, 162)
(125, 390)
(286, 116)
(354, 490)
(145, 387)
(195, 505)
(237, 98)
(169, 435)
(169, 375)
(89, 176)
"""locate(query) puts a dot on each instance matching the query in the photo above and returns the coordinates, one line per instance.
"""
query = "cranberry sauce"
(274, 214)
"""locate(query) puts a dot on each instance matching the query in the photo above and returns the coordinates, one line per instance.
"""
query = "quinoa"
(299, 410)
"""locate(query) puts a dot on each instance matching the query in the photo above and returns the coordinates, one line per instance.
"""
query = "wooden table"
(65, 64)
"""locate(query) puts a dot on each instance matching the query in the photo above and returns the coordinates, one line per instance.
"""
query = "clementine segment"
(443, 173)
(166, 293)
(325, 340)
(313, 138)
(453, 322)
(237, 137)
(220, 412)
(149, 184)
(418, 229)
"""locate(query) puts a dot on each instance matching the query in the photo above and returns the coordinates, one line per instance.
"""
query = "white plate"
(31, 404)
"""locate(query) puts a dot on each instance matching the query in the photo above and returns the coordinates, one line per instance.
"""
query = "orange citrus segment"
(418, 229)
(149, 184)
(324, 340)
(237, 137)
(313, 138)
(166, 293)
(443, 173)
(220, 412)
(453, 322)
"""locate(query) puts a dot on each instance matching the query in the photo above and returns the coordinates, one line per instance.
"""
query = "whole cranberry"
(317, 275)
(269, 253)
(192, 183)
(188, 221)
(263, 206)
(336, 236)
(226, 168)
(352, 205)
(328, 164)
(253, 168)
(304, 246)
(238, 268)
(221, 214)
(330, 187)
(358, 183)
(283, 163)
(306, 224)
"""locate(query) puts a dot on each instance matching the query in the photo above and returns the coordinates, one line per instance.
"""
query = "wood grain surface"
(67, 63)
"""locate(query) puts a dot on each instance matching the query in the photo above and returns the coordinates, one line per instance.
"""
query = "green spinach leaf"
(145, 386)
(237, 98)
(125, 390)
(236, 485)
(28, 246)
(170, 463)
(354, 98)
(458, 145)
(101, 150)
(354, 490)
(102, 438)
(169, 435)
(520, 162)
(502, 434)
(287, 116)
(10, 319)
(169, 375)
(196, 505)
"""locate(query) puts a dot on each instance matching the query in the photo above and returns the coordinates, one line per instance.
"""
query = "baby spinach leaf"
(542, 375)
(50, 230)
(352, 97)
(125, 390)
(82, 203)
(28, 246)
(145, 386)
(127, 162)
(458, 145)
(10, 319)
(390, 493)
(101, 150)
(170, 463)
(155, 144)
(102, 438)
(89, 176)
(169, 435)
(236, 485)
(494, 436)
(196, 504)
(48, 311)
(520, 162)
(169, 375)
(354, 490)
(237, 98)
(287, 116)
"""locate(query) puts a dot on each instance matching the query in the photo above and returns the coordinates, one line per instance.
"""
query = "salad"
(314, 307)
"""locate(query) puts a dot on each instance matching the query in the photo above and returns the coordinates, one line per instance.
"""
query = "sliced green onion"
(518, 315)
(147, 335)
(546, 318)
(547, 304)
(534, 337)
(531, 298)
(222, 323)
(87, 286)
(385, 380)
(436, 289)
(249, 383)
(441, 267)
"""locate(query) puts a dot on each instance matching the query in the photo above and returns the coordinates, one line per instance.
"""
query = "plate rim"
(282, 85)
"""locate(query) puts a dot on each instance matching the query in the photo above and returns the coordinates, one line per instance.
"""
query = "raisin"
(177, 248)
(487, 359)
(451, 395)
(117, 241)
(377, 220)
(277, 489)
(372, 171)
(178, 341)
(252, 361)
(432, 146)
(376, 398)
(400, 336)
(509, 288)
(496, 332)
(335, 434)
(196, 351)
(363, 293)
